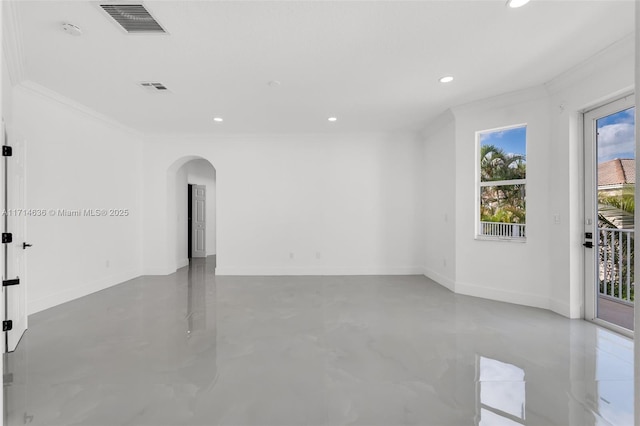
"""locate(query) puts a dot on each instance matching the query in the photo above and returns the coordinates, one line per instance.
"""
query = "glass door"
(610, 179)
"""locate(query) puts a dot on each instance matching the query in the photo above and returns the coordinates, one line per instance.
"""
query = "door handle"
(25, 245)
(588, 244)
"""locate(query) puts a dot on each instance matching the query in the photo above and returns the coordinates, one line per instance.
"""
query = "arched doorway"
(192, 210)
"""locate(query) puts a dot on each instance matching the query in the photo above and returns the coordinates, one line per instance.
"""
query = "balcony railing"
(615, 266)
(502, 230)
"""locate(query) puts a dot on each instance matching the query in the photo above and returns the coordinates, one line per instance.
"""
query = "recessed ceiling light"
(274, 83)
(446, 79)
(517, 3)
(218, 119)
(332, 119)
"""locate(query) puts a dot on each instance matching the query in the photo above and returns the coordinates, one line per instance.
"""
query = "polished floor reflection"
(195, 349)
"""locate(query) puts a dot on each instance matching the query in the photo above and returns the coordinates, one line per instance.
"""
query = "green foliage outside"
(625, 201)
(504, 203)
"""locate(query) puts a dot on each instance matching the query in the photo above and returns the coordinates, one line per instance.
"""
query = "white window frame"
(479, 185)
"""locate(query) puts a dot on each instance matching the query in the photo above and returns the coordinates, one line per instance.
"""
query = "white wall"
(440, 191)
(346, 204)
(547, 270)
(77, 160)
(605, 76)
(503, 270)
(195, 172)
(6, 106)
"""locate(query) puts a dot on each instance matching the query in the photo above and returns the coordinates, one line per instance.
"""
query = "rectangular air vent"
(153, 86)
(134, 18)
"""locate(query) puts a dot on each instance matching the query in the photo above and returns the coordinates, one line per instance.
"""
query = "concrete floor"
(195, 349)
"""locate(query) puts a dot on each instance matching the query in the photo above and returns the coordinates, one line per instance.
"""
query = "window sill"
(504, 239)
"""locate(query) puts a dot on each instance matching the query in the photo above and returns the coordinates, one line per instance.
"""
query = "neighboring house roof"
(617, 172)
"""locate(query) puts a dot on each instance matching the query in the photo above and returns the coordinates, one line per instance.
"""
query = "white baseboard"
(562, 308)
(305, 271)
(440, 279)
(160, 270)
(518, 298)
(80, 291)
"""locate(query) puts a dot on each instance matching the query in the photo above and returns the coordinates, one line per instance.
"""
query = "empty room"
(319, 212)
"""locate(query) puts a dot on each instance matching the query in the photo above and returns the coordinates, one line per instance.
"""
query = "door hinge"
(7, 151)
(15, 281)
(7, 325)
(7, 237)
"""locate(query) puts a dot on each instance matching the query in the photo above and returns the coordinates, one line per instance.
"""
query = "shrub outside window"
(502, 172)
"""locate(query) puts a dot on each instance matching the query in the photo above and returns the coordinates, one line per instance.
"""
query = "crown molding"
(445, 118)
(12, 41)
(621, 50)
(530, 94)
(37, 89)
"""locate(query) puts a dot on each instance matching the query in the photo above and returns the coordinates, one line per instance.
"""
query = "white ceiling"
(373, 64)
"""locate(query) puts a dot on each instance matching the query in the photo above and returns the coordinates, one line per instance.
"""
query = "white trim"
(12, 42)
(438, 123)
(590, 188)
(35, 88)
(480, 184)
(78, 291)
(316, 271)
(611, 326)
(501, 239)
(503, 182)
(562, 308)
(165, 270)
(500, 295)
(616, 52)
(509, 99)
(440, 279)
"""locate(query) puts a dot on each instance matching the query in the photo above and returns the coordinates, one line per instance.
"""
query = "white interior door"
(199, 221)
(609, 214)
(14, 215)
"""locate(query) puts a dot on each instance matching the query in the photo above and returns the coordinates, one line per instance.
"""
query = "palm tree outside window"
(502, 170)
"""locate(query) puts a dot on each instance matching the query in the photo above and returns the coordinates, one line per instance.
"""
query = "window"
(502, 170)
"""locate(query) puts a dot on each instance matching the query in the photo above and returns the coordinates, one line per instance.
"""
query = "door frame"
(14, 253)
(590, 205)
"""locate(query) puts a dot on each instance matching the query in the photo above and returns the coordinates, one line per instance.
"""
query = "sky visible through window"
(616, 136)
(511, 141)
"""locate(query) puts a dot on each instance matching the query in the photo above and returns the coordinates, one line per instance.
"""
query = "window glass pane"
(503, 204)
(503, 154)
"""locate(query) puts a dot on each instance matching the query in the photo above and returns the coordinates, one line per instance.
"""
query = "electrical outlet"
(318, 255)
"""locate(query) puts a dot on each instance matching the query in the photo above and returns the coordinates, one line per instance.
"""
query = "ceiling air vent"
(153, 86)
(134, 18)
